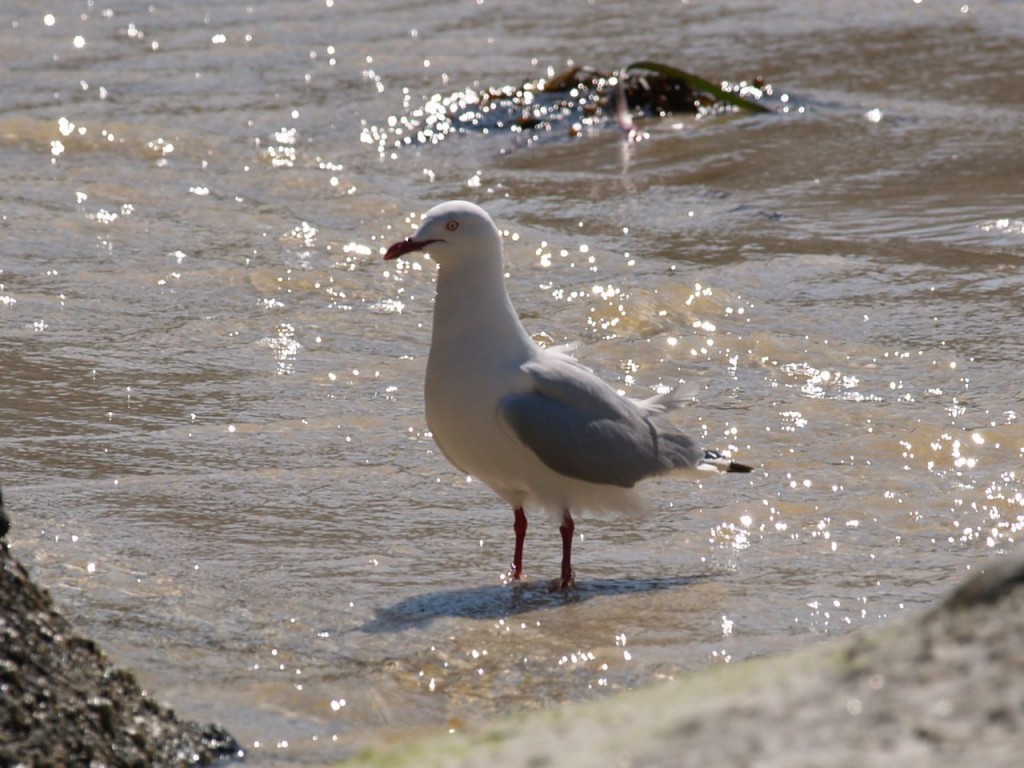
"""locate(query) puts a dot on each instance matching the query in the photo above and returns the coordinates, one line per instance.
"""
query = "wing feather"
(580, 427)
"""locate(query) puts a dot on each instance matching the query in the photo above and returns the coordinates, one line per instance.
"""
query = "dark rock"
(991, 585)
(570, 104)
(5, 524)
(63, 704)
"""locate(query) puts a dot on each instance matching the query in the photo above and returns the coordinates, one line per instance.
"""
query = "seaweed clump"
(571, 103)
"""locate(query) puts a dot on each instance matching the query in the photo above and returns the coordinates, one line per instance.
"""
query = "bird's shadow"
(503, 600)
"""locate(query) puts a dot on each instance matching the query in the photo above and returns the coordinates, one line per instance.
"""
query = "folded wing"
(580, 427)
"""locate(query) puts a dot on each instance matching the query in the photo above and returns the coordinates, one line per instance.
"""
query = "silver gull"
(531, 422)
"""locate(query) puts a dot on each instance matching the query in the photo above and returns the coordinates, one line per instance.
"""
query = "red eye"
(451, 226)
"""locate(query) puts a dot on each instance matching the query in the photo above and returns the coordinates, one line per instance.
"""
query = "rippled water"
(210, 409)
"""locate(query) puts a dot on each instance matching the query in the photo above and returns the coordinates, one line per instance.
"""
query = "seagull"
(532, 423)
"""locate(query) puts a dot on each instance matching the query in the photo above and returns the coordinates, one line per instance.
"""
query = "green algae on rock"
(571, 103)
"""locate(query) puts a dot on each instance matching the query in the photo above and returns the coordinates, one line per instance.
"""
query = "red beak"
(403, 247)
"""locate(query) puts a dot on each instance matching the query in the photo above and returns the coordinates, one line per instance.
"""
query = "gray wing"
(580, 427)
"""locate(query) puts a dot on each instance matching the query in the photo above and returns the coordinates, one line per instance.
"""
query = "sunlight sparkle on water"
(1012, 226)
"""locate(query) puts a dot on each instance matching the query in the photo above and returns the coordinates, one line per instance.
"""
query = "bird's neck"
(474, 315)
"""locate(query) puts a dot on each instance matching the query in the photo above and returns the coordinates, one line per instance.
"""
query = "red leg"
(566, 529)
(520, 528)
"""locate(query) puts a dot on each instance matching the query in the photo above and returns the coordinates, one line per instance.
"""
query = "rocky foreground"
(945, 688)
(63, 704)
(941, 689)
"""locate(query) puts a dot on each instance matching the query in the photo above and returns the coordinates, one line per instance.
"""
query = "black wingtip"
(723, 463)
(735, 466)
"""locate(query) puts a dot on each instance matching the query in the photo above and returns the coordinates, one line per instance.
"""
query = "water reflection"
(501, 600)
(285, 347)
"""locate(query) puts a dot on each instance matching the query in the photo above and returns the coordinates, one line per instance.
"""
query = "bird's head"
(450, 231)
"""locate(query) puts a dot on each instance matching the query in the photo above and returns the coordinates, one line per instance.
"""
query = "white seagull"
(532, 423)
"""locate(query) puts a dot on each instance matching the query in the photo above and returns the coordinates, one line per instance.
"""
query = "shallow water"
(211, 415)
